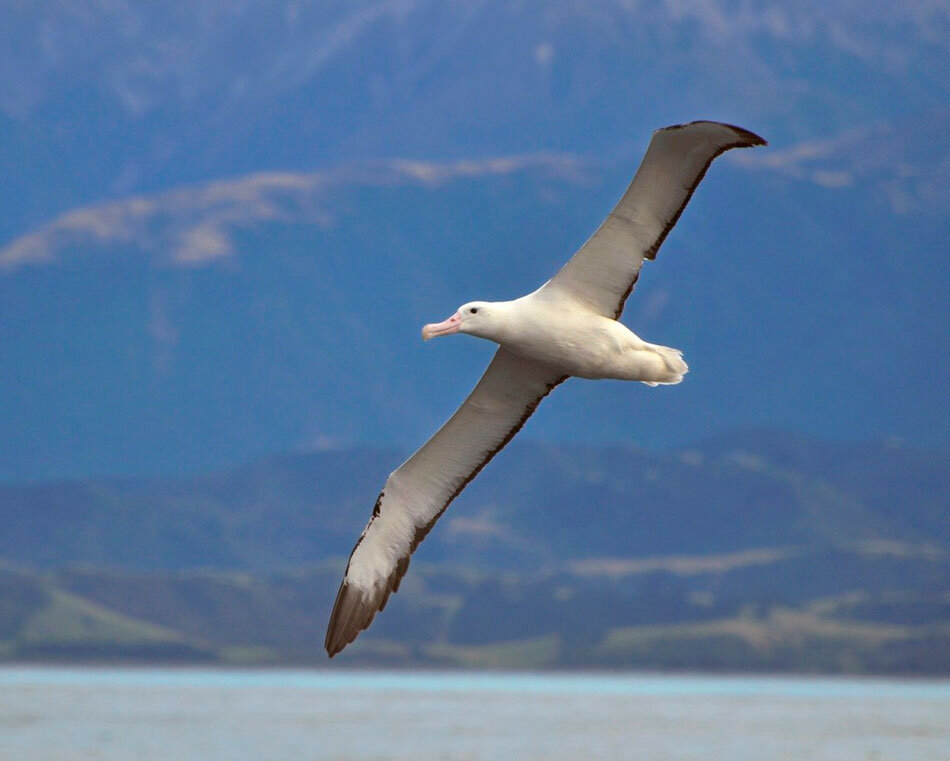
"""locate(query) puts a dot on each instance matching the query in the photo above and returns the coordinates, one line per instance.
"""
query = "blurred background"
(222, 226)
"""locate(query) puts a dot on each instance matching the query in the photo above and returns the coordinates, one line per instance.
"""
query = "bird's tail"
(670, 370)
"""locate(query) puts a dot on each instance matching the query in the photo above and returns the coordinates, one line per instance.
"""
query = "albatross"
(568, 327)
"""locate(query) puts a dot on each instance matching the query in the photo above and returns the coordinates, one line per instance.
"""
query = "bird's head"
(478, 318)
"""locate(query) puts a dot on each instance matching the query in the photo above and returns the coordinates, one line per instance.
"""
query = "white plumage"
(567, 327)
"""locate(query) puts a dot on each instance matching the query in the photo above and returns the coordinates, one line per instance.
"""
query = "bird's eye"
(473, 310)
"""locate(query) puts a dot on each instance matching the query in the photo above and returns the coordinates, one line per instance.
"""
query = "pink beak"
(446, 328)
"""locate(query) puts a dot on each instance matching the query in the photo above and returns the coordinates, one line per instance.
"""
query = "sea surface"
(154, 714)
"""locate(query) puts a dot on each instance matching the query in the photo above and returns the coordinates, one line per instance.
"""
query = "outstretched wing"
(421, 489)
(603, 272)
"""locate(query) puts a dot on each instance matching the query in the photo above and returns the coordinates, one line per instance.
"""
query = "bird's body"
(568, 327)
(553, 329)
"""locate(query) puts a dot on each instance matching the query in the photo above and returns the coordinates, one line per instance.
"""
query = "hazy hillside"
(206, 325)
(755, 550)
(858, 610)
(101, 99)
(222, 226)
(536, 506)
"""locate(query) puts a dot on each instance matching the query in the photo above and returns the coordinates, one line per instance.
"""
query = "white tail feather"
(673, 369)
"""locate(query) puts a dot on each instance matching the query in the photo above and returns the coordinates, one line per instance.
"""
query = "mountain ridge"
(753, 551)
(204, 309)
(195, 94)
(734, 496)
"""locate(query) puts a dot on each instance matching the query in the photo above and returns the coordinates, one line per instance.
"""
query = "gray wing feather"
(421, 489)
(603, 272)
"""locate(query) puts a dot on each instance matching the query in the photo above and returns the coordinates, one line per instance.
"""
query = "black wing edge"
(354, 610)
(745, 139)
(748, 137)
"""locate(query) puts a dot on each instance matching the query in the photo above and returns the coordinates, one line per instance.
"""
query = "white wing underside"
(603, 272)
(421, 489)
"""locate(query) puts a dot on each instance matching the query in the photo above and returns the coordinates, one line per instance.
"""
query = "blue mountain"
(222, 229)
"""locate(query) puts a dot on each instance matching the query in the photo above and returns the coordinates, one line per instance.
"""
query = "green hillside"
(847, 613)
(755, 551)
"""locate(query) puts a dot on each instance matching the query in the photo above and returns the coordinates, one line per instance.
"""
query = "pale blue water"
(66, 714)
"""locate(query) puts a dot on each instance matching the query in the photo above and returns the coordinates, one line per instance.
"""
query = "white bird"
(567, 327)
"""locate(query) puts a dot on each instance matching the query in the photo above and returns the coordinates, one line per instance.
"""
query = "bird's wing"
(421, 489)
(603, 272)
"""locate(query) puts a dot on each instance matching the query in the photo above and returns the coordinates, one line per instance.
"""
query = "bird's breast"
(583, 347)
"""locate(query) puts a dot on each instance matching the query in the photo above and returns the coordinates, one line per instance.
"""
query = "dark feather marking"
(750, 139)
(345, 625)
(374, 516)
(623, 299)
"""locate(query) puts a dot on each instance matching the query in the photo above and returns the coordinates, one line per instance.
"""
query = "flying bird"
(568, 327)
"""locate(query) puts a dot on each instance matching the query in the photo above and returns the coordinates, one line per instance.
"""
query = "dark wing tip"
(355, 609)
(352, 612)
(747, 138)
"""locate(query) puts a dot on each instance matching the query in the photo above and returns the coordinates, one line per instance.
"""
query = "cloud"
(203, 243)
(681, 565)
(194, 226)
(907, 164)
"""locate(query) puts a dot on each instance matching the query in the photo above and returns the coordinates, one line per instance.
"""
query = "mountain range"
(538, 506)
(100, 100)
(752, 551)
(222, 226)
